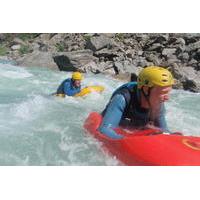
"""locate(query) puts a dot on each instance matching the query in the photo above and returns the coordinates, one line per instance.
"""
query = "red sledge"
(147, 147)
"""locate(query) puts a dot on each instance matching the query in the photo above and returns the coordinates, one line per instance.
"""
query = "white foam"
(29, 109)
(181, 114)
(13, 72)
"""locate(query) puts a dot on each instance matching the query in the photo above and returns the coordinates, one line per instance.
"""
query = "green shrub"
(3, 50)
(27, 36)
(24, 49)
(119, 36)
(86, 37)
(60, 47)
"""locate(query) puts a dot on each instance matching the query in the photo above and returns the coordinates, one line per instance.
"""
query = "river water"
(39, 129)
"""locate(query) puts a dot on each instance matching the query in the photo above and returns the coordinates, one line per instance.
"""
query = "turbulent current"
(39, 129)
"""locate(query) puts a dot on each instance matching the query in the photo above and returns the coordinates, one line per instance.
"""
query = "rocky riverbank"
(122, 55)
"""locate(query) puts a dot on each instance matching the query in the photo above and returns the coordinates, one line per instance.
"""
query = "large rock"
(193, 46)
(125, 77)
(47, 42)
(98, 42)
(168, 52)
(38, 59)
(54, 39)
(123, 68)
(192, 85)
(45, 37)
(184, 57)
(15, 47)
(188, 77)
(18, 41)
(141, 61)
(162, 39)
(106, 67)
(91, 67)
(174, 41)
(152, 57)
(109, 35)
(68, 61)
(154, 47)
(110, 54)
(180, 41)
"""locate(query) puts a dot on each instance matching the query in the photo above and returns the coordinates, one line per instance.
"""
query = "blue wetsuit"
(124, 109)
(67, 88)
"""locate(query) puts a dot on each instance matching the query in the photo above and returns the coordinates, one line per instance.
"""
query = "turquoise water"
(39, 129)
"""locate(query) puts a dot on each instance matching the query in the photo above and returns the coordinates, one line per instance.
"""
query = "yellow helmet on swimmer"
(77, 76)
(155, 76)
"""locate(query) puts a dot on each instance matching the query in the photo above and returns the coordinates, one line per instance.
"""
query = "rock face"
(70, 61)
(37, 58)
(118, 54)
(98, 42)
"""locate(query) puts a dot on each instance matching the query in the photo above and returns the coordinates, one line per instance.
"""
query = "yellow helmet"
(77, 76)
(155, 76)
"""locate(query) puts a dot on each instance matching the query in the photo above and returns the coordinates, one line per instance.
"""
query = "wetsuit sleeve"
(113, 116)
(68, 90)
(161, 121)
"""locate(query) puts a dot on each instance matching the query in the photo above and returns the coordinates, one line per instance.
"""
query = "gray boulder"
(153, 58)
(110, 54)
(141, 61)
(168, 52)
(37, 59)
(154, 47)
(193, 46)
(162, 39)
(180, 41)
(98, 42)
(188, 77)
(69, 61)
(91, 67)
(18, 41)
(15, 47)
(106, 68)
(123, 68)
(184, 57)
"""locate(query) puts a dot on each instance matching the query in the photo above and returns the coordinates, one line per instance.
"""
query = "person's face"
(160, 94)
(77, 83)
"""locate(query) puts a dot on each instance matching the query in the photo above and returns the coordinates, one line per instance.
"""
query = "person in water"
(139, 104)
(70, 86)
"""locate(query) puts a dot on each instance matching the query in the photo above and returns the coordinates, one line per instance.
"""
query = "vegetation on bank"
(60, 47)
(24, 49)
(8, 37)
(3, 50)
